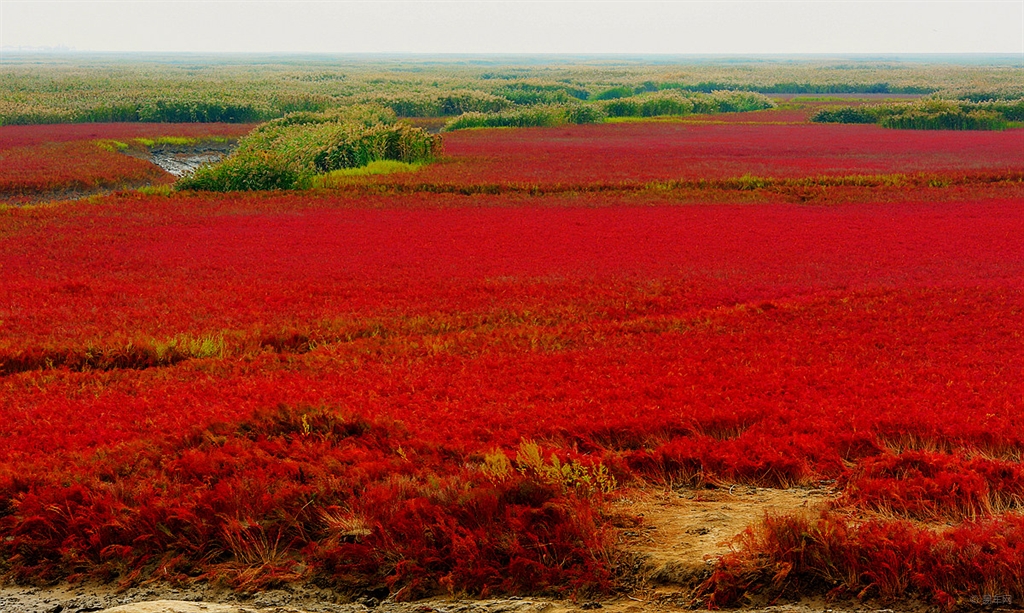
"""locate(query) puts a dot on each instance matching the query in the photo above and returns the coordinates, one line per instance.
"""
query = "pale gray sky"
(517, 26)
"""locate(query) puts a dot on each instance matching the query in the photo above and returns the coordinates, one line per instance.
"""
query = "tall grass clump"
(287, 153)
(441, 104)
(223, 107)
(931, 114)
(523, 93)
(614, 93)
(1012, 110)
(731, 101)
(675, 102)
(846, 114)
(534, 116)
(953, 119)
(649, 105)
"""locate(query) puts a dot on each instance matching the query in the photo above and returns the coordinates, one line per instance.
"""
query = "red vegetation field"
(664, 151)
(53, 160)
(438, 392)
(71, 166)
(24, 136)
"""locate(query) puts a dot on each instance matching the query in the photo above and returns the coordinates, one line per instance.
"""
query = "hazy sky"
(517, 26)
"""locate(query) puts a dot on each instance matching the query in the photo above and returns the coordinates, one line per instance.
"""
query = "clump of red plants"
(71, 166)
(888, 559)
(296, 492)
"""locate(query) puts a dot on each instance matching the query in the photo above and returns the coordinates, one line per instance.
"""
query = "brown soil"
(685, 531)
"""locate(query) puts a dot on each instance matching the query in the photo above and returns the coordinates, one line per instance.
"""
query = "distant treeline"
(170, 111)
(805, 88)
(543, 106)
(930, 114)
(72, 90)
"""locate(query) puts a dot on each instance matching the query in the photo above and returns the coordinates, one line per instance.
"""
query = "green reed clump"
(931, 114)
(183, 109)
(1011, 110)
(441, 103)
(533, 116)
(614, 93)
(675, 102)
(846, 114)
(584, 113)
(649, 105)
(730, 101)
(526, 93)
(946, 120)
(287, 153)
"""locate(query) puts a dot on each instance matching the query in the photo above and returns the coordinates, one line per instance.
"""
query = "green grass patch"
(112, 145)
(179, 141)
(655, 119)
(337, 178)
(156, 190)
(377, 167)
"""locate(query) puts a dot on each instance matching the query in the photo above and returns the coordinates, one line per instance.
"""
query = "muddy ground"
(184, 160)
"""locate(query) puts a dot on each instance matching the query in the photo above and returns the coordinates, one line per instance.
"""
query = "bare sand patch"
(684, 531)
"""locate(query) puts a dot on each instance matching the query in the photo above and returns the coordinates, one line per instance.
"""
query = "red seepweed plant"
(429, 393)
